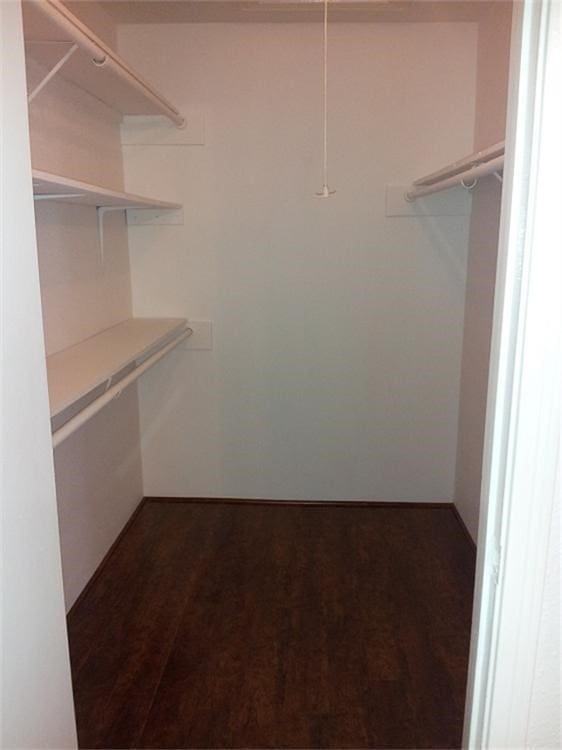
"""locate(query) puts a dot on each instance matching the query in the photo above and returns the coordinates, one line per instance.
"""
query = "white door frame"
(35, 687)
(521, 454)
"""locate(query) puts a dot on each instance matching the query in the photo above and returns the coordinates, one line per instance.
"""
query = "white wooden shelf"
(50, 31)
(74, 372)
(84, 374)
(47, 186)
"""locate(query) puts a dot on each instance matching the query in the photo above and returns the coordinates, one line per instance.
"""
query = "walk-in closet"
(267, 236)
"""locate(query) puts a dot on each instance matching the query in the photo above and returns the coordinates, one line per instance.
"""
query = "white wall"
(98, 469)
(335, 369)
(489, 128)
(37, 710)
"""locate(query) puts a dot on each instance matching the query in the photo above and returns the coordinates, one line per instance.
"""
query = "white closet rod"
(473, 160)
(58, 14)
(103, 56)
(115, 390)
(470, 174)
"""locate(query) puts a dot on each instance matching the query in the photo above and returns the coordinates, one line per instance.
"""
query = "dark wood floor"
(269, 626)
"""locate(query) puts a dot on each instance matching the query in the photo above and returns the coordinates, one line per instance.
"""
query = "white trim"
(523, 422)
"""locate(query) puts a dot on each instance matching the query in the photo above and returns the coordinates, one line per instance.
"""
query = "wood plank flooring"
(219, 625)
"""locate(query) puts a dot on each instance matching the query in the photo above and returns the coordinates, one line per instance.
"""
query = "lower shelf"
(84, 377)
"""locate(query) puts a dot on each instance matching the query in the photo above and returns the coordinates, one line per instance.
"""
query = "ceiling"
(387, 11)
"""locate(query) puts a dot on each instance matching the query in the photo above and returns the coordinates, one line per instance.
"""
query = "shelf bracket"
(54, 70)
(101, 211)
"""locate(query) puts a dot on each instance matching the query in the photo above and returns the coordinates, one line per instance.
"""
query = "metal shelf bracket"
(54, 70)
(101, 211)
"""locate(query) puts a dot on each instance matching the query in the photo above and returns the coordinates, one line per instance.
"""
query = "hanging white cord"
(325, 192)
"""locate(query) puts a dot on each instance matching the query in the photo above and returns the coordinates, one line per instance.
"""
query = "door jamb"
(521, 451)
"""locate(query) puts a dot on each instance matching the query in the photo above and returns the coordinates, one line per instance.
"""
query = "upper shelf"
(47, 186)
(51, 30)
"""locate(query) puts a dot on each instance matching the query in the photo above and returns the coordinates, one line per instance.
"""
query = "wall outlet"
(202, 336)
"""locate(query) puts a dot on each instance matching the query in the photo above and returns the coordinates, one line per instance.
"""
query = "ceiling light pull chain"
(325, 192)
